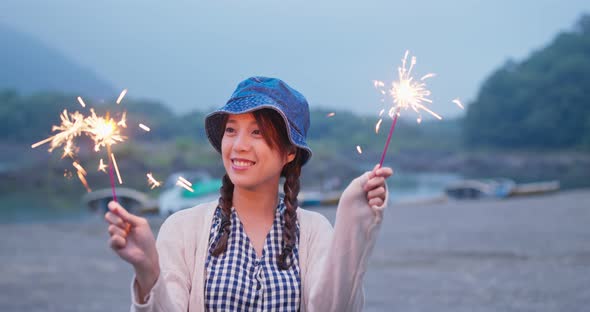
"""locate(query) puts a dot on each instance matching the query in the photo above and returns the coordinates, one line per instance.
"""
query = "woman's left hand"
(375, 186)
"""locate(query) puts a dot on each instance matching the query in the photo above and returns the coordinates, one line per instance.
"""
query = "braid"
(225, 202)
(291, 171)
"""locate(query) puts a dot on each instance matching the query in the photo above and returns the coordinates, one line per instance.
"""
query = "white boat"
(476, 189)
(134, 201)
(174, 198)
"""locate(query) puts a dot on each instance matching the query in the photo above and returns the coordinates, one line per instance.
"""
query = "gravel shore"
(522, 254)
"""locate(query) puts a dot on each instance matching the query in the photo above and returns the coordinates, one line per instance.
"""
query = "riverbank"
(523, 254)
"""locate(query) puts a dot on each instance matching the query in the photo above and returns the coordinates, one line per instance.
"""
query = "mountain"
(540, 102)
(29, 66)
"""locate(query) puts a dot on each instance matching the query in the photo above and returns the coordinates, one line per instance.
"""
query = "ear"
(291, 155)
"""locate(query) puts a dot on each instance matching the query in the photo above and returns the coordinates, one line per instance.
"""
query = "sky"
(192, 54)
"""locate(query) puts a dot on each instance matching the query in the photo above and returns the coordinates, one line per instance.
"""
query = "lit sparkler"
(104, 131)
(407, 93)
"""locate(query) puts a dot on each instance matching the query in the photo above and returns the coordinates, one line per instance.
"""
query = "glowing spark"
(430, 75)
(84, 182)
(144, 127)
(116, 168)
(81, 101)
(185, 181)
(123, 122)
(381, 112)
(408, 93)
(102, 167)
(103, 131)
(81, 175)
(358, 149)
(330, 115)
(378, 125)
(419, 119)
(188, 188)
(458, 102)
(69, 149)
(79, 167)
(121, 96)
(153, 183)
(42, 142)
(378, 84)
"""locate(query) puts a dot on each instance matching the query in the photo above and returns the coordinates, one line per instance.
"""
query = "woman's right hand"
(132, 239)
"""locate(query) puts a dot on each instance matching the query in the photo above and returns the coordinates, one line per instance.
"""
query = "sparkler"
(104, 131)
(407, 93)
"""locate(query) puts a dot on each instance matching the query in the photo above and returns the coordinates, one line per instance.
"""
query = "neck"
(260, 203)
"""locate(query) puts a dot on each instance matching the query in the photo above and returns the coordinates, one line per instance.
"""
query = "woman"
(255, 250)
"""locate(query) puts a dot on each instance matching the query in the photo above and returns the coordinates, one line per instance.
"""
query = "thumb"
(117, 209)
(373, 172)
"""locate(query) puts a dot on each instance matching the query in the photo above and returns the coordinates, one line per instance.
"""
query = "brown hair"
(274, 132)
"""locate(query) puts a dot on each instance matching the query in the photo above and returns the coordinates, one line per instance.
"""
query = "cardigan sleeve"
(172, 288)
(337, 274)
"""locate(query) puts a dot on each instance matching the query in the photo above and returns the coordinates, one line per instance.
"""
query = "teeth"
(243, 163)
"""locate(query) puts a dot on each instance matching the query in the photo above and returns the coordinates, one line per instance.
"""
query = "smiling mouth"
(242, 162)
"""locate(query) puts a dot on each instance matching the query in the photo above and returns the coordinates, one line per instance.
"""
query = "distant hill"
(28, 66)
(540, 102)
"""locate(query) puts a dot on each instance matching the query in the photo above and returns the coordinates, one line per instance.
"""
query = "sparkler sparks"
(104, 131)
(82, 175)
(121, 96)
(153, 183)
(458, 102)
(330, 115)
(358, 149)
(81, 101)
(144, 127)
(184, 183)
(116, 168)
(102, 167)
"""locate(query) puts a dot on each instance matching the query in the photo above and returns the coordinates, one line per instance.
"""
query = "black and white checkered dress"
(238, 281)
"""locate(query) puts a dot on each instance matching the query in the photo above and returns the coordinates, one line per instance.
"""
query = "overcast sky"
(192, 54)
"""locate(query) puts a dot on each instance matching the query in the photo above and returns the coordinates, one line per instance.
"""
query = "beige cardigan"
(332, 261)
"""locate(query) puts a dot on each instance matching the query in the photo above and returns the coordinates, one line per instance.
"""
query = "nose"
(242, 142)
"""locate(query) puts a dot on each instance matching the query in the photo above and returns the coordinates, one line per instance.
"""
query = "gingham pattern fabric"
(238, 281)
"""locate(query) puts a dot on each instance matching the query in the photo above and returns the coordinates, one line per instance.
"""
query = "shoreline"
(525, 254)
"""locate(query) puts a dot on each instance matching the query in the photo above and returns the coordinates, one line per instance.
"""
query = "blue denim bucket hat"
(261, 92)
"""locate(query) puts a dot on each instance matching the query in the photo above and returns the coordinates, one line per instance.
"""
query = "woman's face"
(247, 157)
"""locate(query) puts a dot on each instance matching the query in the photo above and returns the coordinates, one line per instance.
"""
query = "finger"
(374, 183)
(376, 193)
(372, 173)
(115, 230)
(385, 172)
(117, 242)
(114, 220)
(130, 218)
(376, 202)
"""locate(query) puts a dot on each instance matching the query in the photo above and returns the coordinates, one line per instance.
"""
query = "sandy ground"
(525, 254)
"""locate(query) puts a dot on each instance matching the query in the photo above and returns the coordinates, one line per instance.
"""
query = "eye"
(257, 132)
(229, 130)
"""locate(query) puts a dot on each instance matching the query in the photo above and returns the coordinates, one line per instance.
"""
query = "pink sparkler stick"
(111, 174)
(389, 137)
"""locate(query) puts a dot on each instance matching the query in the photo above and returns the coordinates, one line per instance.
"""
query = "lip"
(240, 168)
